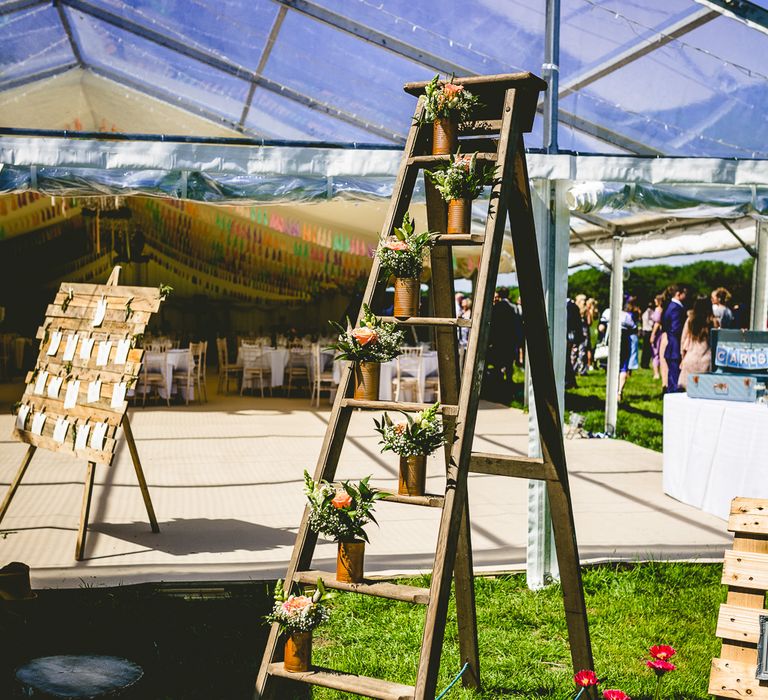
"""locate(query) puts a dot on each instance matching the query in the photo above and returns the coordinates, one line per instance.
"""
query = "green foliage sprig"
(461, 178)
(402, 254)
(445, 99)
(299, 613)
(165, 291)
(421, 434)
(128, 309)
(372, 341)
(341, 513)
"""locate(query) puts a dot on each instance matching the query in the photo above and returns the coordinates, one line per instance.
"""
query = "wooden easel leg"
(140, 474)
(16, 481)
(465, 604)
(87, 494)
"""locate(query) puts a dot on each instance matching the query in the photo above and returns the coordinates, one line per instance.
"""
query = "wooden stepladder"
(69, 327)
(507, 111)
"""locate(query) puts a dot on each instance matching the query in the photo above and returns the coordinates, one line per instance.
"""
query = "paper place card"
(102, 357)
(60, 430)
(121, 354)
(81, 441)
(118, 394)
(38, 421)
(53, 346)
(97, 437)
(42, 378)
(21, 417)
(94, 391)
(86, 348)
(100, 312)
(70, 398)
(70, 347)
(54, 387)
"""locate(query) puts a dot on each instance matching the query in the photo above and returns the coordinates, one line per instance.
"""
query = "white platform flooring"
(226, 481)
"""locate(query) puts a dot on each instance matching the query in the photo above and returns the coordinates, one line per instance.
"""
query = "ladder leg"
(140, 474)
(465, 604)
(82, 531)
(16, 481)
(547, 410)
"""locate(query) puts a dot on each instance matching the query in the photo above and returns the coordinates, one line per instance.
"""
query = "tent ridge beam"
(18, 5)
(70, 36)
(373, 36)
(263, 61)
(227, 67)
(647, 45)
(40, 75)
(742, 10)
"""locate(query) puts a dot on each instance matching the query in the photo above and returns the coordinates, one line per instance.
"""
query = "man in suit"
(672, 322)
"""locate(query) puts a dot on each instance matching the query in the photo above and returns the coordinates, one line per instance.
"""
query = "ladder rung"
(347, 682)
(480, 128)
(426, 161)
(380, 589)
(449, 410)
(431, 500)
(509, 465)
(427, 321)
(460, 239)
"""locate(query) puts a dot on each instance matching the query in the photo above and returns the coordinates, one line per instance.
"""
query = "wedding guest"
(694, 346)
(628, 330)
(656, 333)
(646, 329)
(672, 321)
(723, 315)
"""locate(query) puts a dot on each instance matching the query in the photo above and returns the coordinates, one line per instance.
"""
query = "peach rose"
(396, 245)
(365, 336)
(452, 90)
(341, 500)
(400, 428)
(296, 604)
(463, 162)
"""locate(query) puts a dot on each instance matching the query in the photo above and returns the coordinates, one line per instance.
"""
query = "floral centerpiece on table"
(458, 183)
(413, 440)
(447, 106)
(402, 255)
(342, 512)
(298, 615)
(367, 346)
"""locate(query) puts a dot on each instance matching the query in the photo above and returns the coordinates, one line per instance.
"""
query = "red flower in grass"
(663, 652)
(615, 695)
(585, 679)
(660, 667)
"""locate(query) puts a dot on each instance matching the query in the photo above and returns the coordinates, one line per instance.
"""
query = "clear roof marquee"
(673, 77)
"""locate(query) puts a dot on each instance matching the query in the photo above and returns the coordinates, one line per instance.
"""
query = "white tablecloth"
(408, 366)
(273, 359)
(714, 451)
(165, 363)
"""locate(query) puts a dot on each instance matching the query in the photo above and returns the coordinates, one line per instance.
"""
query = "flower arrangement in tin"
(402, 254)
(421, 434)
(461, 178)
(341, 512)
(372, 341)
(299, 613)
(446, 100)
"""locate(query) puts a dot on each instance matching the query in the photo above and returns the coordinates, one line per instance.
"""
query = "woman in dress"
(694, 344)
(656, 335)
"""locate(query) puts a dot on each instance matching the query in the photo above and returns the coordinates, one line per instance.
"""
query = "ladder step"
(460, 239)
(428, 161)
(431, 500)
(511, 465)
(428, 321)
(380, 589)
(347, 682)
(447, 410)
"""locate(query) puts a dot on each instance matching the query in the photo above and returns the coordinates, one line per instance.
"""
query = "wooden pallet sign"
(75, 399)
(745, 572)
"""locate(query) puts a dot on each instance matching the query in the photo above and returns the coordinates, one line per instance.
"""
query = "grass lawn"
(523, 639)
(640, 412)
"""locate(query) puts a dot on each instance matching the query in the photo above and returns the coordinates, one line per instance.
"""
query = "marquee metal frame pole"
(759, 306)
(614, 337)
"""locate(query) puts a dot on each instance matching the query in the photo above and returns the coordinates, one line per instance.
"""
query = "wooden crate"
(745, 572)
